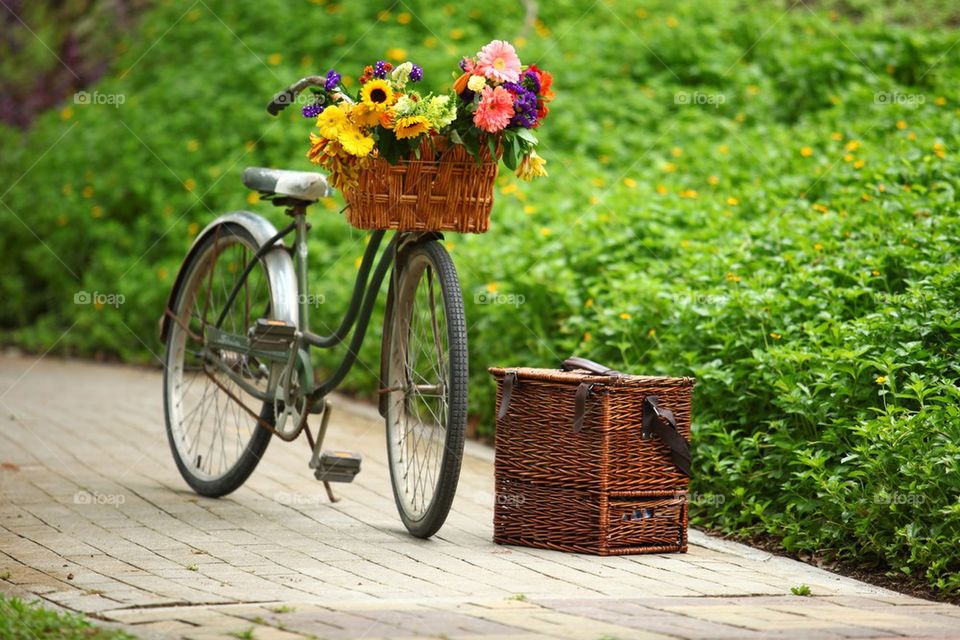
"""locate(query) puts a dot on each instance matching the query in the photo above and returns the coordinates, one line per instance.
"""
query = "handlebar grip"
(281, 101)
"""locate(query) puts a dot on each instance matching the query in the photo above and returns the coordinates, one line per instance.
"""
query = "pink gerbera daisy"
(498, 61)
(495, 109)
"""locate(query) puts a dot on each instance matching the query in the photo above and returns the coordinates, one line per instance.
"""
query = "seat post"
(299, 213)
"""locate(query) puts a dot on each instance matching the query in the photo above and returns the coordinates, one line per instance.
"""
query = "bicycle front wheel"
(425, 366)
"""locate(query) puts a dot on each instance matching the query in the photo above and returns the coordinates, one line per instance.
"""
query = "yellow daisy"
(377, 94)
(411, 126)
(331, 122)
(354, 142)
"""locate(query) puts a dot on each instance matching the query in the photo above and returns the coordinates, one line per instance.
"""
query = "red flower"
(546, 82)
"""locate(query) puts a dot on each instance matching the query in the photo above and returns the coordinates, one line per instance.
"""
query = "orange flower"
(460, 84)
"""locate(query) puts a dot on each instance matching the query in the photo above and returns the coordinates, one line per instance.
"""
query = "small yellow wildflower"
(806, 152)
(397, 54)
(625, 316)
(733, 278)
(713, 181)
(866, 197)
(586, 336)
(672, 22)
(192, 145)
(685, 244)
(848, 157)
(911, 135)
(598, 182)
(630, 183)
(676, 152)
(545, 231)
(652, 332)
(450, 246)
(66, 113)
(404, 18)
(940, 101)
(662, 190)
(732, 201)
(836, 136)
(253, 197)
(881, 380)
(87, 192)
(875, 272)
(821, 208)
(189, 184)
(588, 303)
(669, 167)
(162, 273)
(818, 246)
(456, 34)
(859, 164)
(529, 209)
(775, 335)
(901, 124)
(853, 145)
(193, 228)
(688, 193)
(724, 149)
(492, 287)
(274, 59)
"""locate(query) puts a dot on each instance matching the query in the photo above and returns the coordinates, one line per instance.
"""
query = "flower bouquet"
(418, 161)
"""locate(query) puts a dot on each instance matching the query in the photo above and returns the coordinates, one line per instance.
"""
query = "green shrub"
(762, 199)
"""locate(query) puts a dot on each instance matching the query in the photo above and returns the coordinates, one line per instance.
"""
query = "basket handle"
(661, 422)
(574, 362)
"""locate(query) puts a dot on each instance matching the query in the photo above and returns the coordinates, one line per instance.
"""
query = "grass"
(22, 620)
(762, 199)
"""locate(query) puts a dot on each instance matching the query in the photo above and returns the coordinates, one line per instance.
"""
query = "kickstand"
(316, 446)
(333, 498)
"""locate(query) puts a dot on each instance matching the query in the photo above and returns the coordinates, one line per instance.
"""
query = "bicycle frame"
(356, 318)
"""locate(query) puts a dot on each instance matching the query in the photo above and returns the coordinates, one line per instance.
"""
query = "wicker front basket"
(446, 189)
(603, 489)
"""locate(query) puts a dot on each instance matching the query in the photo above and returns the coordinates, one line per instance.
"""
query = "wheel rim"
(419, 376)
(209, 428)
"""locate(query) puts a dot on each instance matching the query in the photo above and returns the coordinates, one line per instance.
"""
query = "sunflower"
(355, 142)
(331, 121)
(377, 94)
(411, 126)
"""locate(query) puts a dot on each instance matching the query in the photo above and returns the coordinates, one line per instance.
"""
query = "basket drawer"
(582, 521)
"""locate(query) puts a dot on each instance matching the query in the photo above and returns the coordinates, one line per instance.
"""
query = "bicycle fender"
(279, 266)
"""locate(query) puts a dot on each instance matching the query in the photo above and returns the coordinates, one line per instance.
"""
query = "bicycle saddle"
(303, 185)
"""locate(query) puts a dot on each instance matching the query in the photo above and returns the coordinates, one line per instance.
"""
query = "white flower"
(401, 74)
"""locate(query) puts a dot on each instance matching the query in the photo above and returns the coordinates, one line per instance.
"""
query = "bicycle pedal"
(338, 466)
(272, 334)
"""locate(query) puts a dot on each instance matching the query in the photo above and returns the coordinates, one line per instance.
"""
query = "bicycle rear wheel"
(215, 442)
(425, 370)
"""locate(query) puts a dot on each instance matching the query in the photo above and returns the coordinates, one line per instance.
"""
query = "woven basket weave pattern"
(570, 491)
(452, 192)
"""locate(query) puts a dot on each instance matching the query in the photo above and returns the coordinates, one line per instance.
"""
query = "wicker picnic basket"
(446, 189)
(592, 461)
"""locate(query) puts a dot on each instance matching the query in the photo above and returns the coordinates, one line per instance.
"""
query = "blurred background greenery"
(758, 194)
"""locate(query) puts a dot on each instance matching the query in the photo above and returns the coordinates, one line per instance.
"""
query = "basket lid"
(576, 376)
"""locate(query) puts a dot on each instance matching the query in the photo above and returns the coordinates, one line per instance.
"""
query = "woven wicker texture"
(539, 457)
(448, 191)
(533, 515)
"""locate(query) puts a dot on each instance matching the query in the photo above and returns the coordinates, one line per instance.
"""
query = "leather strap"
(580, 412)
(574, 362)
(662, 423)
(509, 381)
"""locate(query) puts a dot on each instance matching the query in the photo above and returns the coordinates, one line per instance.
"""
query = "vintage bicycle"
(238, 370)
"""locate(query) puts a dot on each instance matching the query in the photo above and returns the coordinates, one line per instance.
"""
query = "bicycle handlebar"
(286, 97)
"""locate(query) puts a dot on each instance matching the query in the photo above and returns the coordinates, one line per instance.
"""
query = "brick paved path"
(94, 518)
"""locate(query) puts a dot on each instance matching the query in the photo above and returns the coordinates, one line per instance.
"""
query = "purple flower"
(380, 69)
(312, 110)
(463, 64)
(531, 81)
(416, 74)
(333, 79)
(524, 105)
